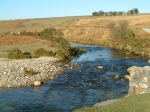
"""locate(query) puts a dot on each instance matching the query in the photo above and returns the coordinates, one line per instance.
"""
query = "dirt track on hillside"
(146, 29)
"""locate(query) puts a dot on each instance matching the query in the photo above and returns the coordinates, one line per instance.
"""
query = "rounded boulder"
(37, 83)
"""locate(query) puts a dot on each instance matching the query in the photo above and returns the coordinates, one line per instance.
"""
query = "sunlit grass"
(24, 48)
(134, 103)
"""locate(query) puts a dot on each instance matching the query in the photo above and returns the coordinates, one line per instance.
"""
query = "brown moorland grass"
(37, 24)
(143, 35)
(84, 29)
(14, 40)
(78, 27)
(97, 27)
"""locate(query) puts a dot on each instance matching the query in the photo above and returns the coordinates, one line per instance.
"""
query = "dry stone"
(100, 67)
(139, 80)
(37, 83)
(12, 72)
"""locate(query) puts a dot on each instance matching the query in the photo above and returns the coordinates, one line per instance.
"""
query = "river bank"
(136, 48)
(83, 85)
(128, 47)
(16, 73)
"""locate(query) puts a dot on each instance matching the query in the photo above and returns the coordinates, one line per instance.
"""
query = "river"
(76, 88)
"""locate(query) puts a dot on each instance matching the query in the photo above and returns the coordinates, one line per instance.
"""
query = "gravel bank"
(12, 72)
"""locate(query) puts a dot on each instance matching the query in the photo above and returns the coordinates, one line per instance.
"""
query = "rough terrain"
(95, 29)
(12, 72)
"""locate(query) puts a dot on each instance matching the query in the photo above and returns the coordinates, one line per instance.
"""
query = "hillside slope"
(86, 29)
(96, 28)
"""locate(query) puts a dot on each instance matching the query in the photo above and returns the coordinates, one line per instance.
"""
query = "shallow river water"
(82, 86)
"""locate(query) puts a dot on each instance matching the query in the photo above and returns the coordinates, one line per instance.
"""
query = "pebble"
(37, 83)
(100, 67)
(12, 72)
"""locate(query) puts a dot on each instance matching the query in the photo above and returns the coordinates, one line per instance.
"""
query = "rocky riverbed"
(12, 72)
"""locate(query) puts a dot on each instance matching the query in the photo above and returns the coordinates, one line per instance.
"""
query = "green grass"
(134, 103)
(24, 48)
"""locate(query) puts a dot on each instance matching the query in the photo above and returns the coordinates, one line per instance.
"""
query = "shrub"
(76, 51)
(30, 72)
(17, 54)
(121, 31)
(63, 44)
(60, 53)
(43, 52)
(50, 33)
(70, 53)
(129, 34)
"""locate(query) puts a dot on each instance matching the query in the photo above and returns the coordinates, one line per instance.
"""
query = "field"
(24, 43)
(95, 29)
(82, 29)
(35, 24)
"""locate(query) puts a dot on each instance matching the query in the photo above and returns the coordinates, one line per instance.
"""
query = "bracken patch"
(14, 40)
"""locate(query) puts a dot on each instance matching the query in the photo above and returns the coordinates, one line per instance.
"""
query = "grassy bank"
(25, 48)
(98, 31)
(134, 103)
(25, 43)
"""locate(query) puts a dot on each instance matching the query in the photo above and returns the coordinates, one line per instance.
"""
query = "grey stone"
(139, 80)
(105, 102)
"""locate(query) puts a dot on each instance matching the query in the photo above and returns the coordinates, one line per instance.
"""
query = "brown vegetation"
(97, 27)
(14, 40)
(143, 36)
(35, 25)
(46, 42)
(88, 29)
(96, 30)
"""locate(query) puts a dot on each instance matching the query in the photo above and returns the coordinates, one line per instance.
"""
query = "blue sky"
(21, 9)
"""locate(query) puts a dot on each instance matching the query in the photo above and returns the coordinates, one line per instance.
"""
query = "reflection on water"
(76, 88)
(96, 52)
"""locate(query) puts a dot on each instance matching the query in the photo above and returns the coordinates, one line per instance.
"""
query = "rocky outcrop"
(139, 80)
